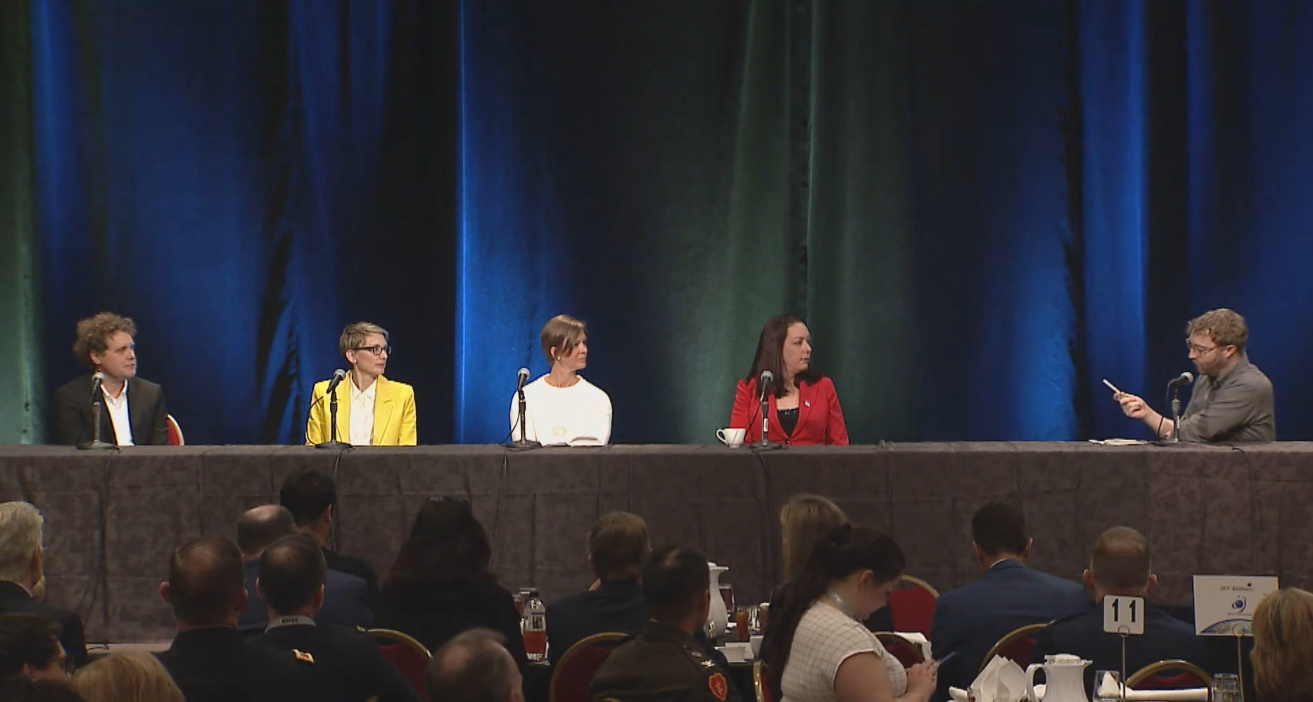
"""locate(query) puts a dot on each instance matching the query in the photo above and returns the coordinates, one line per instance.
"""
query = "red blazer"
(820, 418)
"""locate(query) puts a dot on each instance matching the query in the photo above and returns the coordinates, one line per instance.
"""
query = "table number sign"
(1224, 604)
(1123, 615)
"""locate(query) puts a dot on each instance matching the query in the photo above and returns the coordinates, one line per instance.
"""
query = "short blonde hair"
(355, 334)
(93, 334)
(20, 537)
(126, 677)
(562, 333)
(805, 520)
(1283, 646)
(1223, 326)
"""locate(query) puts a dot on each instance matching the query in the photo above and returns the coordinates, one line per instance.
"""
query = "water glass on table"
(1226, 688)
(1107, 686)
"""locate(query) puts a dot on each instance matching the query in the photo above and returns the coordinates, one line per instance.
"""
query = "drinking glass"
(1107, 686)
(1226, 688)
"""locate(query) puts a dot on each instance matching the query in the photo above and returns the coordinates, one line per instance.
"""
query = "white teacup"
(732, 438)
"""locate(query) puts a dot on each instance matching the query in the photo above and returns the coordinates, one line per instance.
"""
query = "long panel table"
(113, 518)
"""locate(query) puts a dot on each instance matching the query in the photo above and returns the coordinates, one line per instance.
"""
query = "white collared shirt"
(118, 415)
(362, 414)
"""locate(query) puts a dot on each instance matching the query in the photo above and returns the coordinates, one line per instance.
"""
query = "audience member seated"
(23, 580)
(311, 497)
(440, 586)
(29, 646)
(665, 661)
(1121, 566)
(819, 651)
(126, 677)
(24, 689)
(971, 619)
(208, 659)
(1283, 646)
(292, 582)
(474, 666)
(346, 597)
(617, 546)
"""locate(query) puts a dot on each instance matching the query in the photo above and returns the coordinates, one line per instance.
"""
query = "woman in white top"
(818, 648)
(561, 407)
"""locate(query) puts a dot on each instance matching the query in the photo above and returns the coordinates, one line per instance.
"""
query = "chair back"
(1017, 645)
(759, 685)
(575, 670)
(175, 431)
(1171, 674)
(913, 605)
(907, 653)
(406, 655)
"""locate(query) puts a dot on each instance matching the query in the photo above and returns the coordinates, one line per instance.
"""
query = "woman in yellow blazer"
(371, 410)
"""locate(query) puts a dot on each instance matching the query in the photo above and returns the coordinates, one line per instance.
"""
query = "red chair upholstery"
(759, 685)
(575, 670)
(913, 605)
(175, 431)
(406, 655)
(1017, 645)
(1188, 676)
(907, 653)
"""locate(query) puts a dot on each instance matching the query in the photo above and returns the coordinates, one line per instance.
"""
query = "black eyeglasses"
(376, 350)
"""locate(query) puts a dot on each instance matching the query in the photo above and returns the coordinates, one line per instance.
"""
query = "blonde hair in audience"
(20, 529)
(126, 677)
(1283, 646)
(804, 520)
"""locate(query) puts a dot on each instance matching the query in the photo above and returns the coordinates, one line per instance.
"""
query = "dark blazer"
(14, 598)
(1082, 634)
(435, 615)
(346, 602)
(972, 618)
(346, 659)
(613, 606)
(820, 418)
(353, 566)
(215, 665)
(146, 409)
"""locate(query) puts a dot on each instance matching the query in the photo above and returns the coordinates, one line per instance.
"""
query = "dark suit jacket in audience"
(613, 606)
(147, 413)
(1082, 635)
(14, 598)
(216, 665)
(353, 566)
(346, 602)
(436, 615)
(346, 659)
(972, 618)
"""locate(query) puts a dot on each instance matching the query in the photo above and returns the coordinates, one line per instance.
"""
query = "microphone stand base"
(96, 445)
(332, 445)
(766, 446)
(523, 445)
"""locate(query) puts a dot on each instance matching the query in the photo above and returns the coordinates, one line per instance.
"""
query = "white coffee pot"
(1065, 679)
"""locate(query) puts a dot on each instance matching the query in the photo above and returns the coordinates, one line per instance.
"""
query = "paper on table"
(1112, 690)
(1118, 442)
(1002, 680)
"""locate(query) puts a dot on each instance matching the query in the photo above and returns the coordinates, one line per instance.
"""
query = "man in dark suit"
(105, 346)
(23, 580)
(617, 546)
(348, 660)
(208, 659)
(346, 597)
(1121, 566)
(311, 497)
(971, 619)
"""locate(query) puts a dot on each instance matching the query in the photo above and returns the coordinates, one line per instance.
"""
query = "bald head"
(474, 667)
(261, 526)
(1120, 564)
(206, 585)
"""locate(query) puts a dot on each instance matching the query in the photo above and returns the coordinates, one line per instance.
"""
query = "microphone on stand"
(1183, 379)
(338, 376)
(97, 382)
(523, 443)
(1175, 386)
(764, 382)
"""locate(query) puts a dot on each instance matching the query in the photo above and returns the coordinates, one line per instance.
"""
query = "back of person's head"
(804, 520)
(206, 585)
(999, 529)
(20, 538)
(292, 571)
(676, 580)
(20, 688)
(1121, 564)
(446, 544)
(617, 546)
(29, 645)
(307, 494)
(1283, 646)
(260, 526)
(846, 551)
(126, 677)
(474, 666)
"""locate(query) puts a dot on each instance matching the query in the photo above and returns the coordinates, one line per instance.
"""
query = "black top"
(14, 598)
(146, 410)
(436, 615)
(215, 665)
(353, 566)
(614, 606)
(346, 659)
(662, 663)
(788, 420)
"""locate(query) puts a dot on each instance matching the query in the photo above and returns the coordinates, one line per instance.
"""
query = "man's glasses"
(1201, 350)
(376, 350)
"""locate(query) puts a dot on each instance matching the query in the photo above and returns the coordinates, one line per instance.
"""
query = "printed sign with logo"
(1224, 604)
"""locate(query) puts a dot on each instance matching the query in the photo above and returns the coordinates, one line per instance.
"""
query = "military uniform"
(214, 664)
(662, 663)
(345, 659)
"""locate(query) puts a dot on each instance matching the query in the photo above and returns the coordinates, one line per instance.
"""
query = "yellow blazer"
(394, 413)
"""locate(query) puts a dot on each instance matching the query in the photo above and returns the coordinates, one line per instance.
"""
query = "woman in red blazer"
(804, 408)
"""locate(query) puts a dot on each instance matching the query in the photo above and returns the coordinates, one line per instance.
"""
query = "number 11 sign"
(1123, 615)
